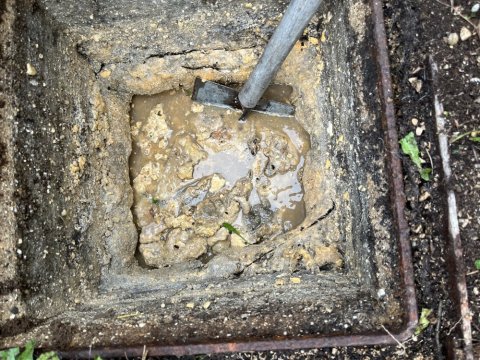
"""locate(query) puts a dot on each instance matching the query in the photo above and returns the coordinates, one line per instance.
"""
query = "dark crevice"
(185, 52)
(321, 218)
(101, 67)
(82, 50)
(162, 55)
(257, 259)
(214, 67)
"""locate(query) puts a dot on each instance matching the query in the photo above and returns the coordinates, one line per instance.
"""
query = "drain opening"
(196, 168)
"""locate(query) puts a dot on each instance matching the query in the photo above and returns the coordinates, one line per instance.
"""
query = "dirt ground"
(417, 29)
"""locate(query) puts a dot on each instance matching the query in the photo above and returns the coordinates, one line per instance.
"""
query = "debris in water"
(198, 172)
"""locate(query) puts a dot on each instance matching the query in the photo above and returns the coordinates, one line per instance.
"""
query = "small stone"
(279, 282)
(475, 8)
(81, 162)
(206, 304)
(64, 212)
(217, 183)
(190, 305)
(418, 229)
(324, 36)
(74, 167)
(328, 17)
(105, 73)
(313, 40)
(452, 39)
(426, 195)
(328, 164)
(31, 71)
(197, 108)
(416, 83)
(330, 129)
(248, 5)
(295, 280)
(381, 293)
(414, 121)
(465, 34)
(236, 241)
(419, 130)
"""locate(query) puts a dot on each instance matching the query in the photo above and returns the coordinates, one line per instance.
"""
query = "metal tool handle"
(294, 21)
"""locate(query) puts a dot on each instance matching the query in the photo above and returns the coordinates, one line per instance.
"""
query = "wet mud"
(196, 170)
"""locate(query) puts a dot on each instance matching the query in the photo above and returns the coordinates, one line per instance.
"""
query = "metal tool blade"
(212, 93)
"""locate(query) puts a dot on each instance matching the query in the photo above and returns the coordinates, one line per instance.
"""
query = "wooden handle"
(294, 21)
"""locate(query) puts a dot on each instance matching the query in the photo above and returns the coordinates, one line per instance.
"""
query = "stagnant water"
(195, 167)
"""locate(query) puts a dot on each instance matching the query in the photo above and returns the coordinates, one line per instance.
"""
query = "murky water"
(230, 164)
(194, 167)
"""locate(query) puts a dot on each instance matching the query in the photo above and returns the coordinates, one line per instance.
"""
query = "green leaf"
(423, 322)
(410, 148)
(51, 355)
(9, 354)
(97, 357)
(477, 264)
(232, 229)
(472, 134)
(27, 353)
(425, 173)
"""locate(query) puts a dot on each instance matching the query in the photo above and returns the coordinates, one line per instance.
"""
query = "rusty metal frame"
(397, 198)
